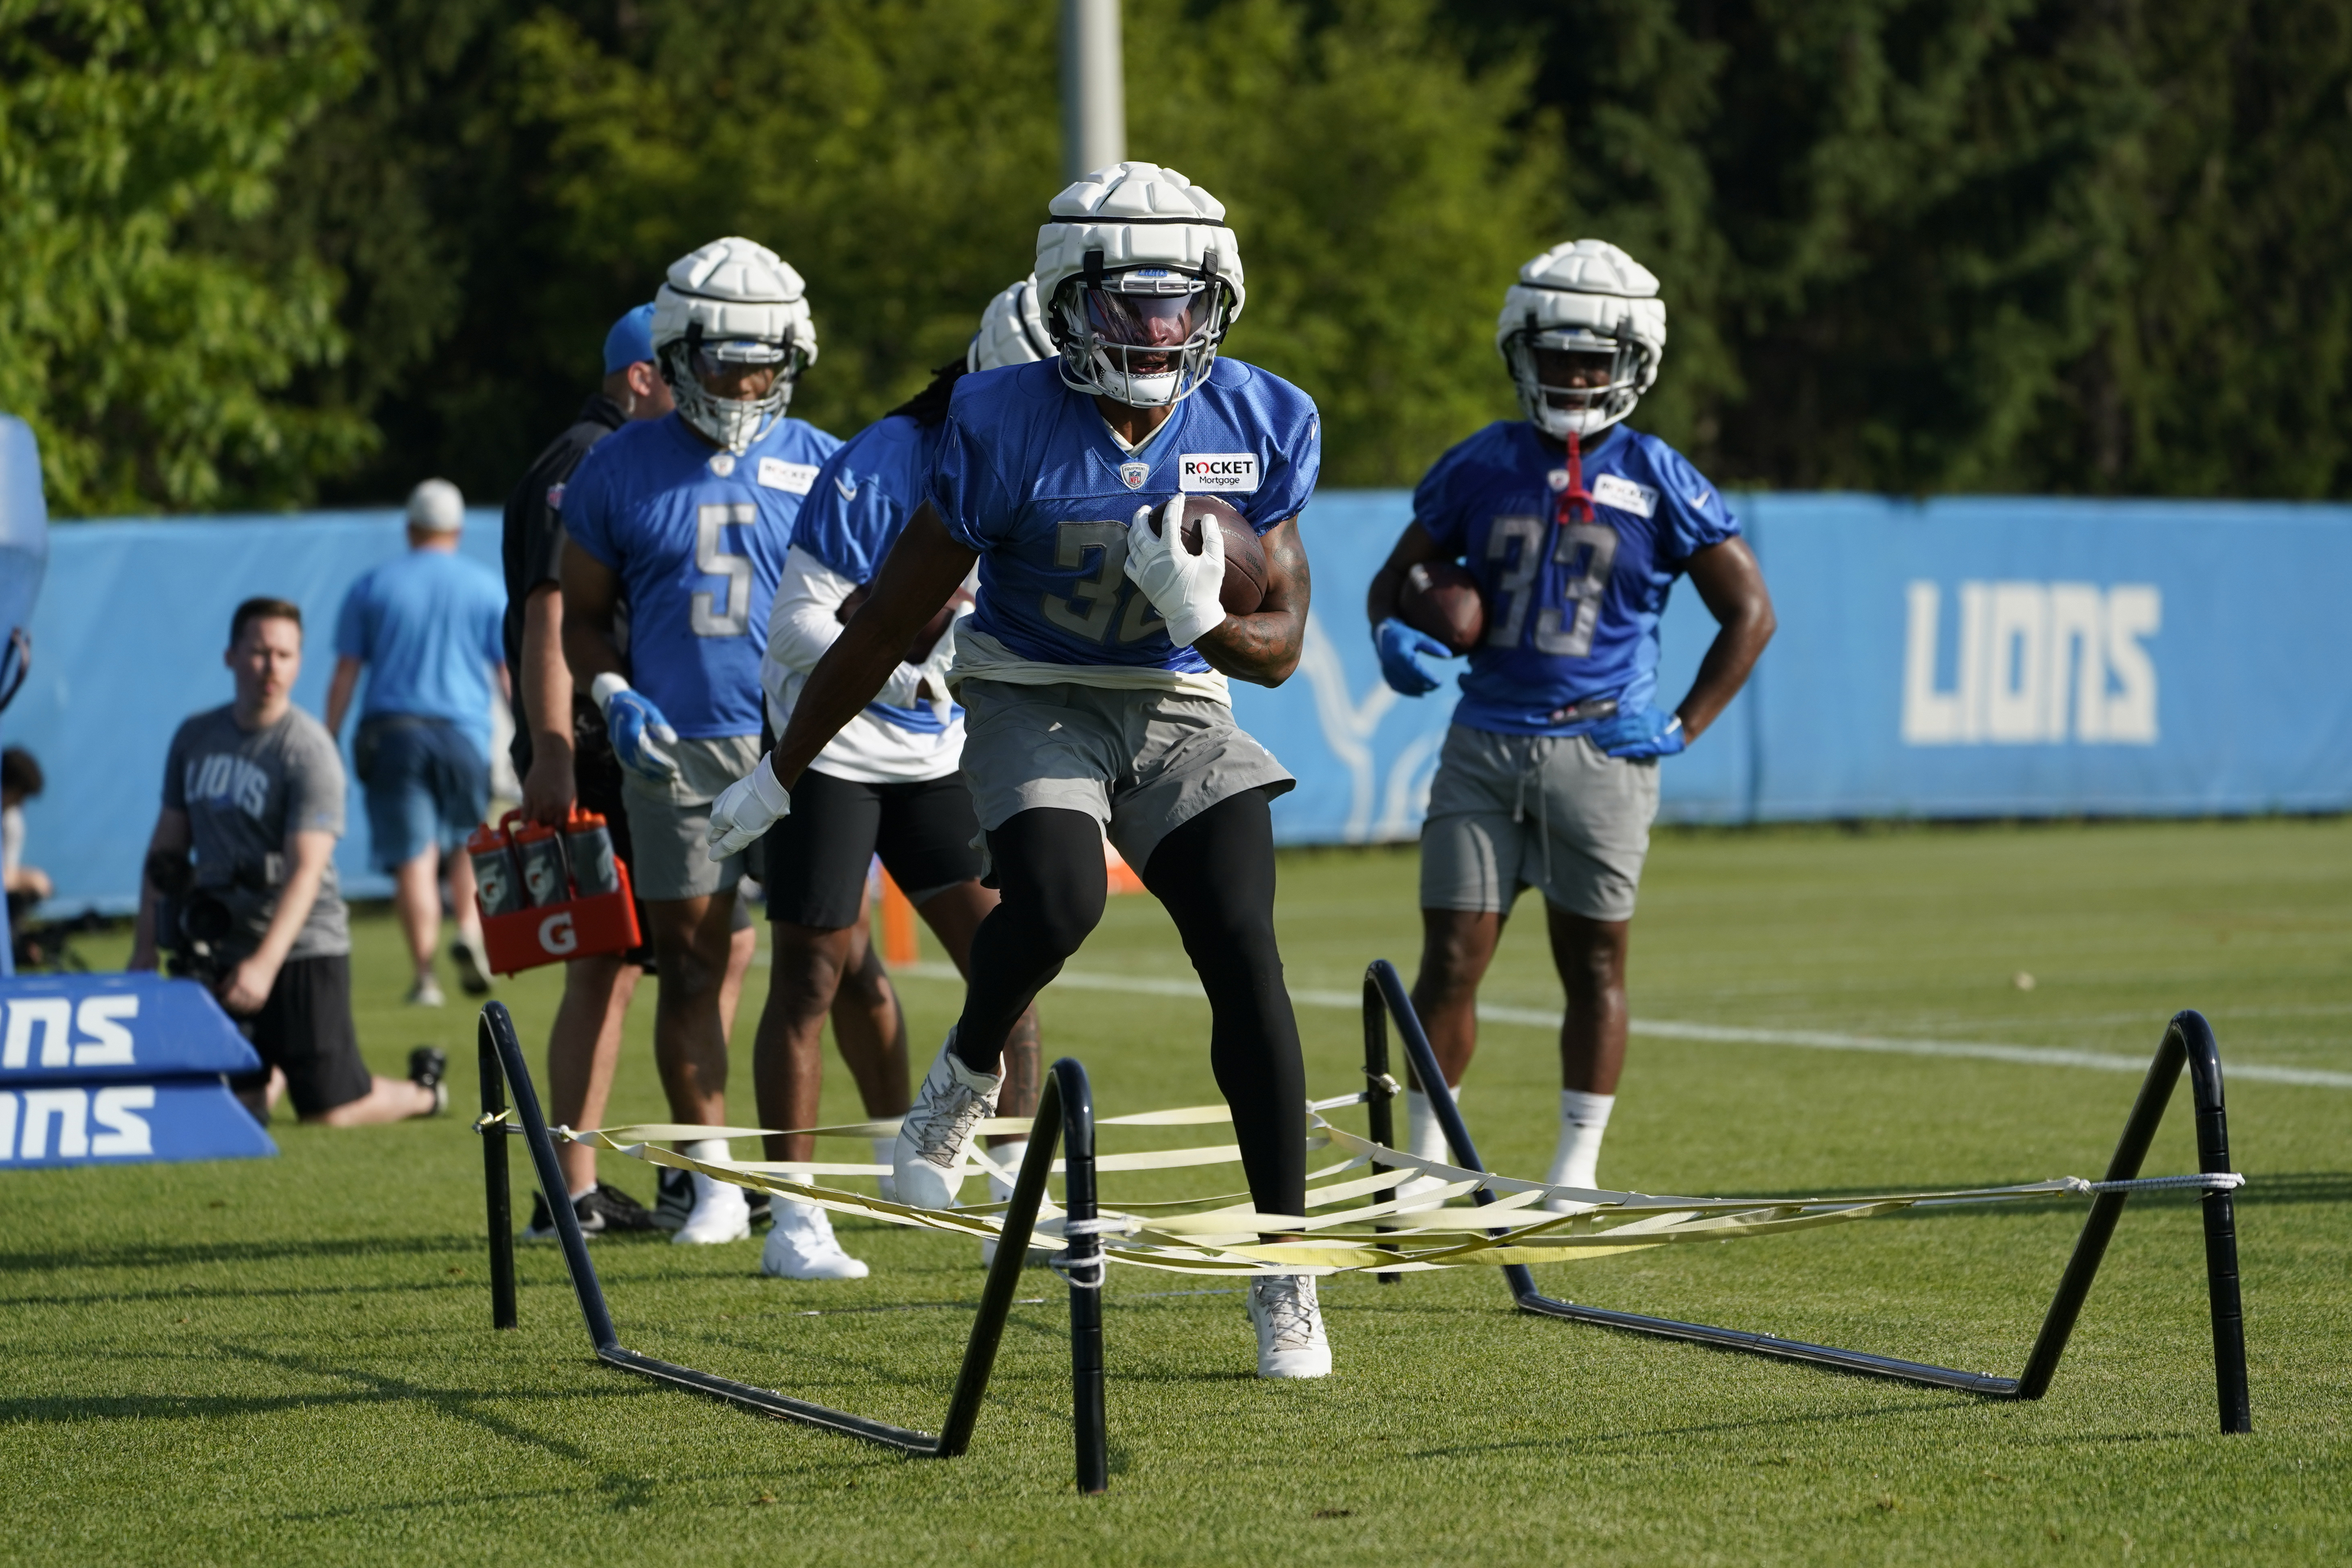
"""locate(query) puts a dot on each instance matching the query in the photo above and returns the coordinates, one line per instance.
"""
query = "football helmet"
(729, 308)
(1586, 297)
(1138, 279)
(1012, 331)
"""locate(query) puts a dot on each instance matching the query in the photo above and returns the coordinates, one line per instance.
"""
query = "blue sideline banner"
(128, 640)
(1956, 658)
(1971, 657)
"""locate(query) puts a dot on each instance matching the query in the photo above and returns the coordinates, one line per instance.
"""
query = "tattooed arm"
(1263, 648)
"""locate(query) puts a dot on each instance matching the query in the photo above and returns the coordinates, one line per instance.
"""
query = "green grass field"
(289, 1361)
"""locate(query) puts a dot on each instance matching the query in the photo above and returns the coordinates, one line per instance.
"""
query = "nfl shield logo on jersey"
(1134, 474)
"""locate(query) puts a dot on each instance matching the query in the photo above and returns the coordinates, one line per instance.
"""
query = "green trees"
(271, 251)
(137, 141)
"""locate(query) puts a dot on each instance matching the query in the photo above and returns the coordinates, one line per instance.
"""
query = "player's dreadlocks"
(929, 406)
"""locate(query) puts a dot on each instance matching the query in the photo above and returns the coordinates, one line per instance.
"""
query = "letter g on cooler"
(556, 935)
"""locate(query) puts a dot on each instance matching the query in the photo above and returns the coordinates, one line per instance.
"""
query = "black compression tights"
(1215, 876)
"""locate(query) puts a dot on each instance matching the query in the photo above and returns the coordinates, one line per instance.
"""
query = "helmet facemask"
(1143, 336)
(692, 363)
(1539, 360)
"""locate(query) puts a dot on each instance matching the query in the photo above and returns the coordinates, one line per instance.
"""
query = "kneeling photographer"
(255, 789)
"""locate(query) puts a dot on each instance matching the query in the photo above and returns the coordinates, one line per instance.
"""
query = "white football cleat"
(1291, 1339)
(801, 1246)
(721, 1214)
(927, 1160)
(1010, 1156)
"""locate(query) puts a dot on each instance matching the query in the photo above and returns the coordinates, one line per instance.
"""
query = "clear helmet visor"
(731, 389)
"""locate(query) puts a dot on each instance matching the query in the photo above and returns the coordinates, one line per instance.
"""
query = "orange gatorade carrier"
(549, 895)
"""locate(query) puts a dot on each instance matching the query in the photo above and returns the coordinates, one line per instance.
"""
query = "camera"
(195, 926)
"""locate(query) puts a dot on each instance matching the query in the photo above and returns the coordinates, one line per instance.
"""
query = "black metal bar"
(1083, 1252)
(495, 1194)
(766, 1402)
(497, 1029)
(2204, 1056)
(1380, 1090)
(1064, 1090)
(1003, 1274)
(2186, 1037)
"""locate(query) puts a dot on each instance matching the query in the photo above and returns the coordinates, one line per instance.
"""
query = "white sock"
(884, 1154)
(584, 1191)
(711, 1149)
(1583, 1118)
(882, 1149)
(1423, 1135)
(1010, 1156)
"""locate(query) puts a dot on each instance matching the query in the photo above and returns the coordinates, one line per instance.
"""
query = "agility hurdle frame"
(2187, 1039)
(1065, 1114)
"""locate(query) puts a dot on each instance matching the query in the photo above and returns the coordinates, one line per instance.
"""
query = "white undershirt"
(802, 623)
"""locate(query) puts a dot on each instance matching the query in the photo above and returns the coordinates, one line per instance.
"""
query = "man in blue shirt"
(685, 520)
(1575, 528)
(428, 630)
(1093, 674)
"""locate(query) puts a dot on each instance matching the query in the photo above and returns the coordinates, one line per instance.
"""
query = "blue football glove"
(1401, 650)
(640, 735)
(1650, 732)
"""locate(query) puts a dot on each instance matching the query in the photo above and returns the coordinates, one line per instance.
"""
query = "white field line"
(1809, 1039)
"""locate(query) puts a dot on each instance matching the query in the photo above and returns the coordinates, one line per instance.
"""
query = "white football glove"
(1183, 588)
(746, 809)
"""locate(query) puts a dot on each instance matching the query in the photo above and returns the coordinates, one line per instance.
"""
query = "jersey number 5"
(1563, 630)
(1093, 599)
(711, 617)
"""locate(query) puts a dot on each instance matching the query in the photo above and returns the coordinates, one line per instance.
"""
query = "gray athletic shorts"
(669, 824)
(1511, 812)
(1142, 763)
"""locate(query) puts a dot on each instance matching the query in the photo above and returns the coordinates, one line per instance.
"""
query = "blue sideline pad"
(78, 1028)
(112, 1070)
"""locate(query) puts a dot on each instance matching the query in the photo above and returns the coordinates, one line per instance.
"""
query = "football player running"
(685, 520)
(889, 782)
(1093, 674)
(1575, 527)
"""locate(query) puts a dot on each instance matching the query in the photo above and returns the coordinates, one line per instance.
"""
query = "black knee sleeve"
(1049, 870)
(1215, 874)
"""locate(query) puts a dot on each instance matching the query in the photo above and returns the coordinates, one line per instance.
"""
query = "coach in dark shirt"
(562, 755)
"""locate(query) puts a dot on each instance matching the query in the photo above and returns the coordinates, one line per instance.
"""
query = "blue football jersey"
(1029, 475)
(1572, 606)
(863, 497)
(697, 538)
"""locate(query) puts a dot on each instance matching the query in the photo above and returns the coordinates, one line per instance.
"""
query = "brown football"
(1441, 598)
(925, 639)
(1244, 586)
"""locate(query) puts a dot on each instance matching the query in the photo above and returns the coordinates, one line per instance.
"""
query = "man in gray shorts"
(1574, 528)
(685, 520)
(1093, 673)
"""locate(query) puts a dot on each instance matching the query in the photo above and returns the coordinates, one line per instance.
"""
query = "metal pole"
(1094, 88)
(1005, 1274)
(1084, 1249)
(494, 1184)
(1380, 1088)
(497, 1029)
(2220, 1222)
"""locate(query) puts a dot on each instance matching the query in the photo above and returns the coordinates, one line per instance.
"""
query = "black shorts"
(817, 857)
(305, 1030)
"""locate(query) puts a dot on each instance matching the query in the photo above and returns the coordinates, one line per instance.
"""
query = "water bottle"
(590, 844)
(497, 884)
(540, 850)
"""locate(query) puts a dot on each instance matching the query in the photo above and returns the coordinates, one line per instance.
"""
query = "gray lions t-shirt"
(245, 792)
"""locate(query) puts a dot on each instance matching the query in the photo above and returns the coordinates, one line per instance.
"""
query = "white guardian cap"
(1140, 279)
(1012, 331)
(1582, 301)
(727, 310)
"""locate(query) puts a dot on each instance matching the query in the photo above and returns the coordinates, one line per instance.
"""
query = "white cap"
(436, 507)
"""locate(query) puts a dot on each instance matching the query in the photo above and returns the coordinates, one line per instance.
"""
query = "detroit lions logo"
(1134, 474)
